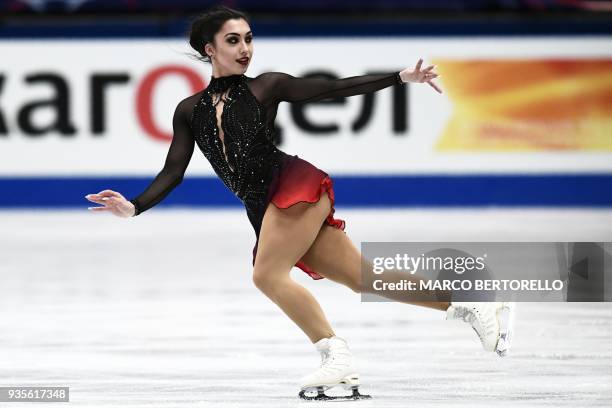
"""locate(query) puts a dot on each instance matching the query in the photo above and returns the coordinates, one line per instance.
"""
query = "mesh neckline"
(221, 84)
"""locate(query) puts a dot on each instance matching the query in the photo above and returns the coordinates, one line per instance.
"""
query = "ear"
(208, 49)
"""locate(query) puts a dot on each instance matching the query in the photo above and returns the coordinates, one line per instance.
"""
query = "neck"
(220, 73)
(215, 76)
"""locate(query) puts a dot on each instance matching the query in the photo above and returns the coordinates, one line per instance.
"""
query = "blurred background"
(88, 89)
(151, 310)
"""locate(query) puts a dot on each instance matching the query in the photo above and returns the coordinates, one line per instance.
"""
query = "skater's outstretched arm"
(295, 89)
(285, 87)
(171, 175)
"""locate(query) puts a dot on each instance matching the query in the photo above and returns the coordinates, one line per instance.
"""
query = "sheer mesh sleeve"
(177, 159)
(284, 87)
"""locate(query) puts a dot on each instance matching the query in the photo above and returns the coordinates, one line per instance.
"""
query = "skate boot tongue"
(327, 346)
(322, 345)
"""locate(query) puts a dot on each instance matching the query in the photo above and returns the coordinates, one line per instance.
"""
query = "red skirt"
(299, 181)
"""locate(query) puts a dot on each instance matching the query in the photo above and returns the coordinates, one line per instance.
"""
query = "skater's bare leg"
(286, 234)
(334, 256)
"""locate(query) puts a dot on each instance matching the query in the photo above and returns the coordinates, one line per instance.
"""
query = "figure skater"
(289, 202)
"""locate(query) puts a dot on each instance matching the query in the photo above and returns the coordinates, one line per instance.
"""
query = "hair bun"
(206, 25)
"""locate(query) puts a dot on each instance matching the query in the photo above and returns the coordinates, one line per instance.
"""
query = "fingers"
(98, 209)
(104, 193)
(418, 65)
(434, 86)
(110, 201)
(95, 198)
(109, 193)
(428, 75)
(107, 202)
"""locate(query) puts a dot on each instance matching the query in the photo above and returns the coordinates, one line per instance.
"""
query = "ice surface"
(100, 304)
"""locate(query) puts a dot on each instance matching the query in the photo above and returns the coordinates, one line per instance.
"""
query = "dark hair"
(205, 26)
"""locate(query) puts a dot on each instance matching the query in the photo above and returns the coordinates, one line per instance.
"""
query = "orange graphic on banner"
(528, 105)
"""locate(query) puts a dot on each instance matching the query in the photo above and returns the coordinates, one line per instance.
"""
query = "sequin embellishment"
(246, 158)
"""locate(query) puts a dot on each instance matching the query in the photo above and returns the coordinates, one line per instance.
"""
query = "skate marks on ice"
(160, 311)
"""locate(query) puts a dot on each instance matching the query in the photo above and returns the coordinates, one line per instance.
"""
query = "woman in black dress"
(289, 202)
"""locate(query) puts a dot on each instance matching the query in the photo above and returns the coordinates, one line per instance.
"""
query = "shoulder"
(185, 107)
(190, 101)
(272, 78)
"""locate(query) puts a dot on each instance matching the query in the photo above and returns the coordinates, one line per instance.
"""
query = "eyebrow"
(250, 32)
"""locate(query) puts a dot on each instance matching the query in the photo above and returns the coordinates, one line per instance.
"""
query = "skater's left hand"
(420, 75)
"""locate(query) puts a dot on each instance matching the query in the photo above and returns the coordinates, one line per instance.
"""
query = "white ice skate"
(492, 321)
(337, 369)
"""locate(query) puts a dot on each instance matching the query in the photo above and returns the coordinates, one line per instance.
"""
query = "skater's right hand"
(112, 202)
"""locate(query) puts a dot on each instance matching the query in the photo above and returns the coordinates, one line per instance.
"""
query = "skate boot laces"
(336, 364)
(336, 358)
(482, 317)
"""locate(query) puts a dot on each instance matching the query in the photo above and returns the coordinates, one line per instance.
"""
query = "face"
(232, 50)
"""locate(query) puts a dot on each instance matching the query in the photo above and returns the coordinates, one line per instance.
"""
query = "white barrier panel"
(519, 105)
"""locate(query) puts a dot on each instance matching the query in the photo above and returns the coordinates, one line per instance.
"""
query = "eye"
(235, 40)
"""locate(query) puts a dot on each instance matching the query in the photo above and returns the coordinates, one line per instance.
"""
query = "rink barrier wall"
(571, 190)
(430, 190)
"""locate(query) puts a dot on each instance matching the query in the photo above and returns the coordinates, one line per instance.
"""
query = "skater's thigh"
(286, 234)
(334, 256)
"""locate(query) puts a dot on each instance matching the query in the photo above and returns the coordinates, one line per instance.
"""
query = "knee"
(260, 279)
(266, 280)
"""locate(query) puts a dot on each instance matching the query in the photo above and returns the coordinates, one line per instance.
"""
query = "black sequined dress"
(232, 123)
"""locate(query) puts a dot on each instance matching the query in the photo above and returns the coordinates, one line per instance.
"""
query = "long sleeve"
(177, 160)
(285, 87)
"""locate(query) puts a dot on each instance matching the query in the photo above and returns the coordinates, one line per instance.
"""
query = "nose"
(244, 49)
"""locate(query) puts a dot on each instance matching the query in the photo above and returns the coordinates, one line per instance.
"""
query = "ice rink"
(160, 311)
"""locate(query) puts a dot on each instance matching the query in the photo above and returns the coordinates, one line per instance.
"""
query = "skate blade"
(506, 323)
(321, 396)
